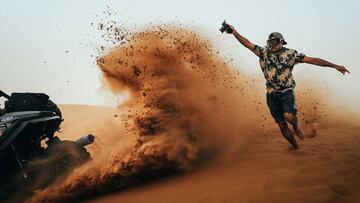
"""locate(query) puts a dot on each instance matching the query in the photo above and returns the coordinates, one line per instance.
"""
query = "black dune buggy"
(31, 156)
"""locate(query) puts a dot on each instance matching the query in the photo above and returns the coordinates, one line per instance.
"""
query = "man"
(277, 63)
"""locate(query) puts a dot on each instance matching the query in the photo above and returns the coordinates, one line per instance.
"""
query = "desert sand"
(196, 129)
(325, 169)
(190, 111)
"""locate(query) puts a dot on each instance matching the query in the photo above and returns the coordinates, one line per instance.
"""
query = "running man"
(277, 63)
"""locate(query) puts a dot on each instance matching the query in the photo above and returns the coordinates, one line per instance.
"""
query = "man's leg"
(277, 113)
(293, 120)
(289, 108)
(285, 131)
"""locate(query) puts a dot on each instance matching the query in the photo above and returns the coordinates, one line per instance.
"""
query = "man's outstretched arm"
(324, 63)
(245, 42)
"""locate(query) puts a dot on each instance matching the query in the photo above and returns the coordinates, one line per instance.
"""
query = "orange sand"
(190, 111)
(326, 169)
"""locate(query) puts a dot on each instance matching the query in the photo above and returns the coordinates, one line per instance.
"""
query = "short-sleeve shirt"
(277, 67)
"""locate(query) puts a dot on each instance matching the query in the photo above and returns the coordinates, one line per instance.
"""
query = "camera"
(225, 27)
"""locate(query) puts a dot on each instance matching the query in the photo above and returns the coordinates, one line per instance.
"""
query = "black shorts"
(280, 103)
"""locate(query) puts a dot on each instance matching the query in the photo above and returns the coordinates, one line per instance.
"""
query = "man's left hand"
(342, 69)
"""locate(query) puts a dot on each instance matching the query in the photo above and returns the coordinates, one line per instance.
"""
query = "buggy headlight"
(2, 129)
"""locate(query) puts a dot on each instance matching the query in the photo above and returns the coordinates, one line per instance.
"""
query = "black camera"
(225, 27)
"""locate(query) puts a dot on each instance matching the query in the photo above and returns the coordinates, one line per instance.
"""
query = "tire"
(65, 156)
(72, 157)
(60, 159)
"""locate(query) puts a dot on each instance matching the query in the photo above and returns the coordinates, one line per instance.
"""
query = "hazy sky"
(46, 46)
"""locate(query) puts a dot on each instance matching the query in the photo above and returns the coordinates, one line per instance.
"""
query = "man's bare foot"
(294, 148)
(299, 133)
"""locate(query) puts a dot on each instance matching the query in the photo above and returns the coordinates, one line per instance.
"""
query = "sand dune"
(326, 169)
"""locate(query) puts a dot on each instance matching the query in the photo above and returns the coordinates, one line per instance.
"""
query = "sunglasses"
(273, 42)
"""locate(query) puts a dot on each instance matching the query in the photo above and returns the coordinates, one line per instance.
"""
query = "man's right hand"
(232, 29)
(245, 42)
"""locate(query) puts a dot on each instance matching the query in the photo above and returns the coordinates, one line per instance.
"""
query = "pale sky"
(36, 35)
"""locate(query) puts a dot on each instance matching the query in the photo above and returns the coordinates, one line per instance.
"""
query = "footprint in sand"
(324, 148)
(341, 190)
(311, 180)
(343, 149)
(352, 156)
(314, 150)
(298, 153)
(335, 198)
(325, 158)
(343, 172)
(309, 169)
(352, 161)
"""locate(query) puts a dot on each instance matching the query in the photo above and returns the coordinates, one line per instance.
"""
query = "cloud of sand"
(186, 105)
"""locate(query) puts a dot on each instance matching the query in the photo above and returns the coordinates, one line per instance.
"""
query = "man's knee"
(289, 117)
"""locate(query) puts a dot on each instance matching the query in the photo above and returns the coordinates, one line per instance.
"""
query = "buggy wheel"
(65, 156)
(61, 158)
